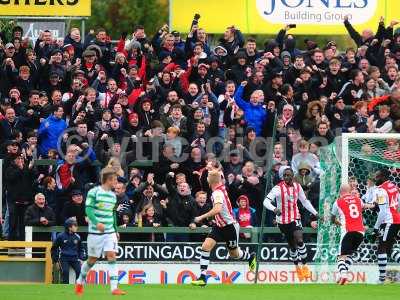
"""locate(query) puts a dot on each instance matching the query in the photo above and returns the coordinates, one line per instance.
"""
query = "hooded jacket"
(245, 216)
(306, 180)
(49, 132)
(68, 247)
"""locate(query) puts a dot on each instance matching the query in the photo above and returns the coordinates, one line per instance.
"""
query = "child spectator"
(68, 251)
(305, 155)
(245, 215)
(383, 123)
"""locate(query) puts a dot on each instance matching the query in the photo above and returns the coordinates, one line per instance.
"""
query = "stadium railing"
(253, 231)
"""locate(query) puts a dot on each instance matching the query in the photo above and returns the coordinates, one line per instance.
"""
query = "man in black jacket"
(181, 208)
(39, 214)
(19, 179)
(75, 208)
(9, 125)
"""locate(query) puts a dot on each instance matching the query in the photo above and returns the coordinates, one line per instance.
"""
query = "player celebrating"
(347, 213)
(387, 225)
(286, 194)
(226, 229)
(103, 236)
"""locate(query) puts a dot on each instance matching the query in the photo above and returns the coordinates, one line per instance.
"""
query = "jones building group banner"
(268, 16)
(46, 8)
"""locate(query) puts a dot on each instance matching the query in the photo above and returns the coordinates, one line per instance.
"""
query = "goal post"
(346, 152)
(354, 158)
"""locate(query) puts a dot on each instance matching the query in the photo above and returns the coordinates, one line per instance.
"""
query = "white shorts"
(97, 244)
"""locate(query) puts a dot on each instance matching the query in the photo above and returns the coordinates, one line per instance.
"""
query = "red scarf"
(65, 175)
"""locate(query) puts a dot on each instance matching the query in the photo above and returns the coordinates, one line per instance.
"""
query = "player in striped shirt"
(286, 194)
(347, 213)
(226, 228)
(387, 225)
(103, 235)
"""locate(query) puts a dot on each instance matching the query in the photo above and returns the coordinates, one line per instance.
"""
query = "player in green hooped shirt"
(103, 236)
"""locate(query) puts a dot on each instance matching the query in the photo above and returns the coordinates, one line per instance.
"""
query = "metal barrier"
(29, 245)
(253, 231)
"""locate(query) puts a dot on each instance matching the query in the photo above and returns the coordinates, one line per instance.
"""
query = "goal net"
(354, 159)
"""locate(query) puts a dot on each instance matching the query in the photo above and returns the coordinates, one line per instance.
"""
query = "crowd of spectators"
(163, 110)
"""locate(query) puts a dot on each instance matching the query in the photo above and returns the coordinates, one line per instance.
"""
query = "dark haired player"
(285, 195)
(387, 225)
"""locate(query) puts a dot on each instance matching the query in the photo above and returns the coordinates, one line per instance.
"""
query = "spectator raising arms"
(164, 110)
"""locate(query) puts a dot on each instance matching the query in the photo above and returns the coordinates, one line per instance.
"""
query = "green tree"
(117, 16)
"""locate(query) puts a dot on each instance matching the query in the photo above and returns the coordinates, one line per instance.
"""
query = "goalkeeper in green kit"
(103, 237)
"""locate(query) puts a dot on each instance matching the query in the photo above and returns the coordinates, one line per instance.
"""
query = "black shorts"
(350, 242)
(388, 233)
(228, 234)
(289, 229)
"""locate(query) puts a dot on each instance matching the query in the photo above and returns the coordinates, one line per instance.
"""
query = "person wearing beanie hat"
(133, 125)
(67, 250)
(75, 208)
(285, 195)
(146, 113)
(285, 54)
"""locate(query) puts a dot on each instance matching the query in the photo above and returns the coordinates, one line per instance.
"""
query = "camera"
(195, 20)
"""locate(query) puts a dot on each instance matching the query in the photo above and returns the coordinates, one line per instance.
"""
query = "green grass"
(211, 292)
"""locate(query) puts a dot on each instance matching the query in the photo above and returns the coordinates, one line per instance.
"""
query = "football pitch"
(211, 292)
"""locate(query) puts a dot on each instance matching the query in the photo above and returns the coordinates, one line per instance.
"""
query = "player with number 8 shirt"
(286, 194)
(347, 213)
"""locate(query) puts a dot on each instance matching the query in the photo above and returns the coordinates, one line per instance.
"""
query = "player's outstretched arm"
(268, 205)
(271, 197)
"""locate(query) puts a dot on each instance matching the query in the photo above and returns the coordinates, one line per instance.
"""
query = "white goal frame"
(345, 148)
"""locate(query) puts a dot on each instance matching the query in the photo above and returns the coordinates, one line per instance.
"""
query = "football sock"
(302, 250)
(382, 262)
(294, 257)
(396, 256)
(243, 255)
(349, 261)
(112, 271)
(342, 268)
(204, 262)
(84, 270)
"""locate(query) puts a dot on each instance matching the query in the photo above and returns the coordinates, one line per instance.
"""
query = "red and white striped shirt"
(393, 194)
(106, 99)
(286, 198)
(225, 217)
